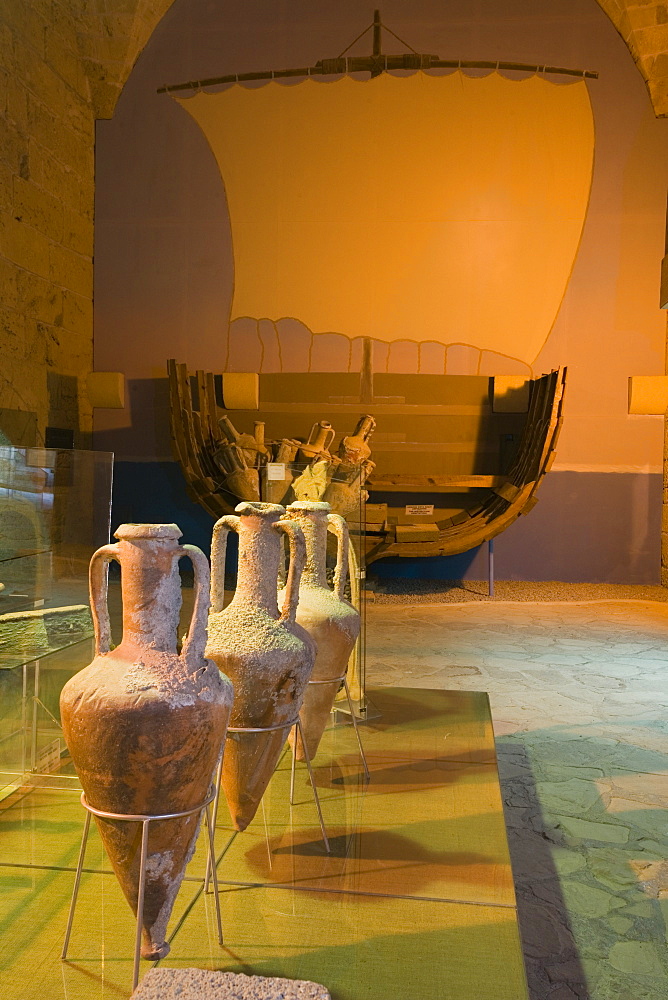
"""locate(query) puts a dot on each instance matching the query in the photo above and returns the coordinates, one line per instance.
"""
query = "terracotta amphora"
(268, 656)
(252, 446)
(144, 724)
(355, 448)
(321, 437)
(331, 621)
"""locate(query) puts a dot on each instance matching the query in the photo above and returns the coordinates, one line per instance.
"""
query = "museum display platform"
(415, 900)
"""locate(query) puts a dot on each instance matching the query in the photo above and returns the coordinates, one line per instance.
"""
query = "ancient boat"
(455, 461)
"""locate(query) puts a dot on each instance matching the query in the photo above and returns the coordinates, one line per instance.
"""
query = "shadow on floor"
(553, 966)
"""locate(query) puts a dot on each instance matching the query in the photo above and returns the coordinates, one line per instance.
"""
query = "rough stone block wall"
(643, 24)
(46, 217)
(63, 65)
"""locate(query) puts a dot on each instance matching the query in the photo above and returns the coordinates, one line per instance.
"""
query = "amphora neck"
(311, 516)
(150, 586)
(259, 556)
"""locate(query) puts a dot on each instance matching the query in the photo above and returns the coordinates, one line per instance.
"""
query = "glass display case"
(55, 510)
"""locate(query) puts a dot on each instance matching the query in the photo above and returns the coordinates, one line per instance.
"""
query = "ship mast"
(377, 27)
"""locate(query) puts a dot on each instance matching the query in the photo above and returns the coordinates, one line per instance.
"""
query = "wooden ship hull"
(498, 499)
(445, 443)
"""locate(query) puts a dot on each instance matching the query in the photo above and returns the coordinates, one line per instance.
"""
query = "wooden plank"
(416, 533)
(508, 491)
(395, 482)
(379, 409)
(530, 504)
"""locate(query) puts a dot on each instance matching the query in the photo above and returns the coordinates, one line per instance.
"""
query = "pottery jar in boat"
(321, 437)
(331, 621)
(267, 655)
(145, 725)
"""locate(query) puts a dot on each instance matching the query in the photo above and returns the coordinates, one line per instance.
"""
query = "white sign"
(420, 509)
(275, 470)
(48, 758)
(39, 458)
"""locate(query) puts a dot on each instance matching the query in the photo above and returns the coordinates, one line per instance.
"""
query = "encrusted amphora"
(331, 621)
(344, 492)
(145, 725)
(268, 656)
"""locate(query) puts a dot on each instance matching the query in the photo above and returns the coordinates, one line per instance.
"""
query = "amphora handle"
(321, 436)
(329, 438)
(194, 644)
(297, 563)
(98, 582)
(218, 552)
(337, 525)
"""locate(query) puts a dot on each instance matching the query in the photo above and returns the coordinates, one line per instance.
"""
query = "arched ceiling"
(111, 36)
(643, 24)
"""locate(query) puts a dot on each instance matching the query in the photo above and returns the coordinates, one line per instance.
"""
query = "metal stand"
(267, 729)
(145, 820)
(330, 680)
(490, 566)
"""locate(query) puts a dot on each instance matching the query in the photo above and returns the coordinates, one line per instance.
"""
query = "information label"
(420, 509)
(48, 758)
(39, 458)
(275, 470)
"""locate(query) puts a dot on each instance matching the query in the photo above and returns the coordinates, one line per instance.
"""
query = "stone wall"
(46, 186)
(643, 24)
(63, 65)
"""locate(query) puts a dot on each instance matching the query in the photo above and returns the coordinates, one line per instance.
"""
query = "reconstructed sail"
(431, 208)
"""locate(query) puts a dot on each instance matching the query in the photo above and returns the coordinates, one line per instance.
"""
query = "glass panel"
(388, 836)
(55, 510)
(415, 900)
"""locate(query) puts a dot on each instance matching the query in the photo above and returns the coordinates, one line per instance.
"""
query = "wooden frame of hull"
(196, 437)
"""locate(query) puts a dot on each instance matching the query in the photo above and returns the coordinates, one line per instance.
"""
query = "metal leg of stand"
(315, 790)
(357, 732)
(490, 566)
(77, 879)
(214, 873)
(216, 801)
(140, 900)
(145, 821)
(293, 765)
(210, 858)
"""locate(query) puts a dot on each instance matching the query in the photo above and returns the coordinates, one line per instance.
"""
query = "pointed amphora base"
(170, 847)
(152, 759)
(249, 763)
(314, 717)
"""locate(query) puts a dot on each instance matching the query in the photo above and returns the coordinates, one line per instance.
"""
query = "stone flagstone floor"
(579, 696)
